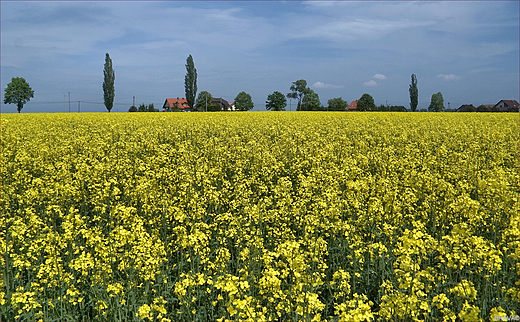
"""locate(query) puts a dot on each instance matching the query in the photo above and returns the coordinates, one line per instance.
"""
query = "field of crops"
(260, 216)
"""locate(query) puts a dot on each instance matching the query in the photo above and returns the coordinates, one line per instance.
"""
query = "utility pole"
(69, 102)
(133, 104)
(78, 106)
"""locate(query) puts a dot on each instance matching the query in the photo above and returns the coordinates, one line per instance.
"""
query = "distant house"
(182, 104)
(352, 106)
(466, 108)
(507, 106)
(221, 103)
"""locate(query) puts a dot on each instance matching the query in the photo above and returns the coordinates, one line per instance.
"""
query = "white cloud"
(448, 77)
(339, 31)
(323, 85)
(373, 83)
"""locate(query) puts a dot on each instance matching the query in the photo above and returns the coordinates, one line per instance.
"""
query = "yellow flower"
(288, 216)
(497, 314)
(465, 290)
(357, 309)
(440, 300)
(144, 312)
(469, 313)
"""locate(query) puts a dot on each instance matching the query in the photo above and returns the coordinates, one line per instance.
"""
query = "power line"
(47, 102)
(75, 101)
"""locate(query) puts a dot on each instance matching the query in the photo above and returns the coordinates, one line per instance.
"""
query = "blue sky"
(467, 50)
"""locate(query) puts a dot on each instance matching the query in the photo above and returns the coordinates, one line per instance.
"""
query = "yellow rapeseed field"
(260, 216)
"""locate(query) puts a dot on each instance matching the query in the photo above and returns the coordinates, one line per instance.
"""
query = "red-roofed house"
(352, 106)
(182, 104)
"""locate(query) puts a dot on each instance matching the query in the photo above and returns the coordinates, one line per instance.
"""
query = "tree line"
(308, 100)
(19, 92)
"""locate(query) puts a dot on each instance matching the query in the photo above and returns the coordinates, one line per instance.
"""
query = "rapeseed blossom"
(260, 216)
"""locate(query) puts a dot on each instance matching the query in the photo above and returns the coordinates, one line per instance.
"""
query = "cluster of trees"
(205, 101)
(366, 102)
(308, 100)
(143, 108)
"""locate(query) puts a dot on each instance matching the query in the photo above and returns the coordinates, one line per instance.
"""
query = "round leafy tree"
(244, 102)
(276, 102)
(366, 103)
(18, 92)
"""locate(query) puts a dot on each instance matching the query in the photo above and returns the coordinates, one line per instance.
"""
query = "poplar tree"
(108, 83)
(190, 82)
(414, 94)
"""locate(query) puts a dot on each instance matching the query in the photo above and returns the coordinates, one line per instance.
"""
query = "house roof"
(221, 101)
(466, 108)
(509, 104)
(352, 106)
(182, 102)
